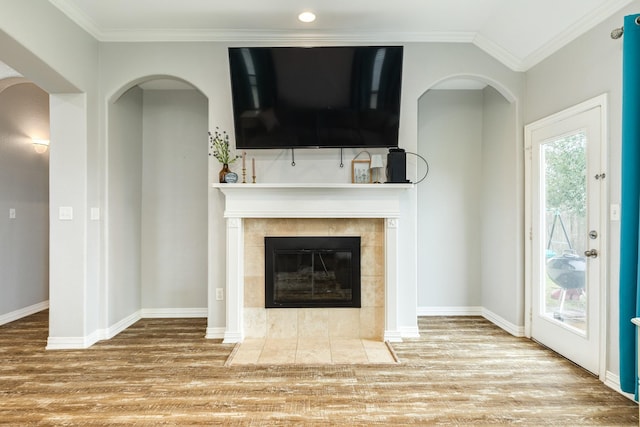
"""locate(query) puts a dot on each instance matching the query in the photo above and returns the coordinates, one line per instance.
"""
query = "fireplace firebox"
(309, 271)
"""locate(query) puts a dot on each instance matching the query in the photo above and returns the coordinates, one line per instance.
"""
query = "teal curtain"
(630, 204)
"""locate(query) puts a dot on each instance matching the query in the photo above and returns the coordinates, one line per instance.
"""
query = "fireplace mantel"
(308, 201)
(312, 200)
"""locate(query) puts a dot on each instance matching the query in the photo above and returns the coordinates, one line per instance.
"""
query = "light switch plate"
(95, 214)
(12, 213)
(219, 294)
(65, 213)
(614, 212)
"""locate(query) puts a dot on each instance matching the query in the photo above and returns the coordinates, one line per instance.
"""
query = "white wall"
(588, 67)
(174, 200)
(24, 187)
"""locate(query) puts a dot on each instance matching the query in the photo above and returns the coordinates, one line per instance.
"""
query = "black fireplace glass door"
(315, 274)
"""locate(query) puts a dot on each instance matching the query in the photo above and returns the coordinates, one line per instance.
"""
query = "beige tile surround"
(366, 322)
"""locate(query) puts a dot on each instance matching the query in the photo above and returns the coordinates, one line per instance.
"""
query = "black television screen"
(345, 96)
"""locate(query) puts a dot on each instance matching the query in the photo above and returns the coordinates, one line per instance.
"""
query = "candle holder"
(244, 175)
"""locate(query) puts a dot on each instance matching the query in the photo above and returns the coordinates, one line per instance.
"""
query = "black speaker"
(397, 166)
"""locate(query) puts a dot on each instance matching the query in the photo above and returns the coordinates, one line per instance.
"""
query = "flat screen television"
(296, 97)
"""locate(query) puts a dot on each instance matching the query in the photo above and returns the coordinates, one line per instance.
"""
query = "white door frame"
(598, 101)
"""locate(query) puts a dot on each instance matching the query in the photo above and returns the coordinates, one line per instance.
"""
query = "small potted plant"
(219, 148)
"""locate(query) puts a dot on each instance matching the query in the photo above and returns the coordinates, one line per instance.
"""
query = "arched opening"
(157, 160)
(24, 185)
(468, 229)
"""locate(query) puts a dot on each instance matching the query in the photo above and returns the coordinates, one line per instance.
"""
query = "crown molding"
(574, 31)
(77, 16)
(280, 36)
(298, 37)
(498, 52)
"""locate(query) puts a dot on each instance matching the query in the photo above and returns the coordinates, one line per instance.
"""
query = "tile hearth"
(312, 351)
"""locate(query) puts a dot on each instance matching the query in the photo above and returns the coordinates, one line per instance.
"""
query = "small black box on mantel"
(397, 166)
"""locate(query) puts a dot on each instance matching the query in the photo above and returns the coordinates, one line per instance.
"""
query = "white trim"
(23, 312)
(513, 329)
(512, 61)
(392, 336)
(215, 333)
(612, 381)
(72, 343)
(450, 311)
(572, 32)
(409, 332)
(230, 337)
(600, 101)
(115, 329)
(175, 313)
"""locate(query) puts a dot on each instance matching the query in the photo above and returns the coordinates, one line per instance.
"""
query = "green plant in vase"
(219, 148)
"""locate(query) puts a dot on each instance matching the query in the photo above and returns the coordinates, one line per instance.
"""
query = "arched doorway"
(469, 233)
(157, 201)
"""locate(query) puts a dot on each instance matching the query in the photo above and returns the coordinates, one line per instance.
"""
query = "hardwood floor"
(462, 371)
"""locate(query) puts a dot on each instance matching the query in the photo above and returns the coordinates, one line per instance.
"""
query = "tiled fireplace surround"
(365, 322)
(253, 211)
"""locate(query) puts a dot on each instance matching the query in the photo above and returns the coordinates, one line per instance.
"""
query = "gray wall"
(124, 205)
(157, 222)
(450, 137)
(24, 186)
(501, 250)
(468, 227)
(174, 200)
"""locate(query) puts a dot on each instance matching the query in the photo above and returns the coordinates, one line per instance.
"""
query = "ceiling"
(519, 33)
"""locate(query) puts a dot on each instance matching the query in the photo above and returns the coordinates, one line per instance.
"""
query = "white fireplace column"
(235, 281)
(391, 329)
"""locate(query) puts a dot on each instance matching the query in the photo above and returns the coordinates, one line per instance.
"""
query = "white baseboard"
(157, 313)
(612, 381)
(233, 337)
(449, 311)
(409, 332)
(115, 329)
(23, 312)
(514, 330)
(393, 336)
(72, 343)
(215, 333)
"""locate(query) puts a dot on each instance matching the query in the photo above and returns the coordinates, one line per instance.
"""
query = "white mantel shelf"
(310, 185)
(312, 200)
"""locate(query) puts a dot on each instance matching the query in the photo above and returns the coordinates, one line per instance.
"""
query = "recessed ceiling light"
(307, 17)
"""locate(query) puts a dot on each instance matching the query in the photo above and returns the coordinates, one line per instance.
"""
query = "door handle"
(592, 253)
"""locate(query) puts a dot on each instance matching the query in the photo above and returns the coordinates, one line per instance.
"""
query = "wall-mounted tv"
(295, 97)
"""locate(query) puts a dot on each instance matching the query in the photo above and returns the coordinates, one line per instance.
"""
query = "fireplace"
(307, 271)
(301, 209)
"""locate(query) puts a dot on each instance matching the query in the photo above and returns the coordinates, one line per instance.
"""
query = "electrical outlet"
(219, 294)
(12, 213)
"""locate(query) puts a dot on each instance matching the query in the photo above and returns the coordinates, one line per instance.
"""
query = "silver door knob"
(592, 253)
